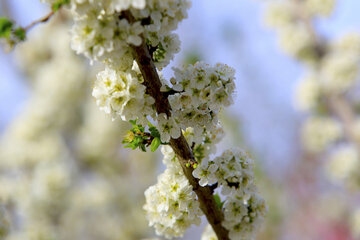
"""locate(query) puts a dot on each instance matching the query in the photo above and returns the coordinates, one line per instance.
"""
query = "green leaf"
(133, 123)
(218, 201)
(58, 4)
(150, 124)
(154, 132)
(142, 147)
(156, 142)
(5, 27)
(20, 33)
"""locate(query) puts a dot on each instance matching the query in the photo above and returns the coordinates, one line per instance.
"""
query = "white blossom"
(171, 205)
(168, 128)
(308, 93)
(121, 94)
(208, 233)
(318, 133)
(342, 166)
(243, 216)
(320, 7)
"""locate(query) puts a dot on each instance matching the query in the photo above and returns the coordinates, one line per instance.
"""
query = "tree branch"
(180, 146)
(41, 20)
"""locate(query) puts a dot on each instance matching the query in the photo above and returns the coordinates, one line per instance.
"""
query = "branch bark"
(180, 146)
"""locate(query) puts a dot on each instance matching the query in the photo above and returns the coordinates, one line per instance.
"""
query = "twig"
(180, 146)
(41, 20)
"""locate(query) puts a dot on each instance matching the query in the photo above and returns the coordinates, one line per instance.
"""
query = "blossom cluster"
(102, 31)
(244, 209)
(171, 204)
(343, 165)
(106, 31)
(121, 93)
(201, 92)
(319, 132)
(289, 19)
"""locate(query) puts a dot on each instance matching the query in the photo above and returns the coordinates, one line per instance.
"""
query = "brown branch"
(41, 20)
(180, 146)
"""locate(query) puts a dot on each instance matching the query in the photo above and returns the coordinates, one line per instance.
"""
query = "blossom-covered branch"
(180, 146)
(135, 40)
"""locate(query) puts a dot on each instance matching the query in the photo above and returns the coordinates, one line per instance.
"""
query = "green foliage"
(218, 201)
(10, 33)
(6, 27)
(58, 4)
(156, 142)
(20, 33)
(137, 137)
(159, 54)
(199, 152)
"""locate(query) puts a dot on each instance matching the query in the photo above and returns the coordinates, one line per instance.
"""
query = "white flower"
(320, 132)
(206, 173)
(343, 164)
(340, 71)
(308, 93)
(279, 13)
(295, 39)
(243, 217)
(320, 7)
(203, 91)
(208, 233)
(171, 205)
(168, 128)
(121, 94)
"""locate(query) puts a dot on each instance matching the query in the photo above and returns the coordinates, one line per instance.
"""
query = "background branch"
(338, 105)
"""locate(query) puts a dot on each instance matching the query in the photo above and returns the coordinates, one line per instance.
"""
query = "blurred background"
(64, 173)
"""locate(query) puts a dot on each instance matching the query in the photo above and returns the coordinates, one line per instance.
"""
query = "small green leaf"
(156, 142)
(150, 124)
(20, 33)
(129, 137)
(154, 132)
(58, 4)
(5, 27)
(142, 147)
(133, 123)
(218, 201)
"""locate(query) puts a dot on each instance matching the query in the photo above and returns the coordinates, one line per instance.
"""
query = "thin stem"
(41, 20)
(180, 146)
